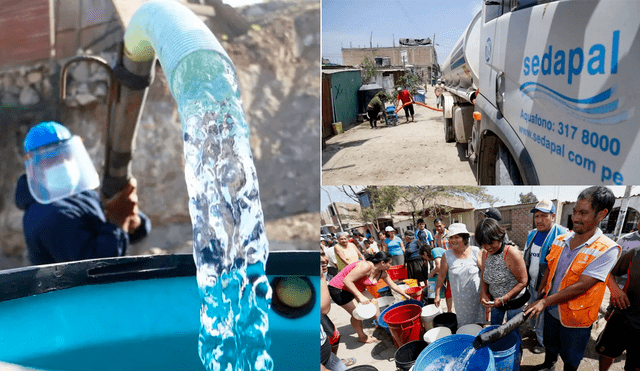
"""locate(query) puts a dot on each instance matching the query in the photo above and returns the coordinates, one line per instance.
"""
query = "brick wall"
(24, 31)
(521, 224)
(416, 55)
(516, 219)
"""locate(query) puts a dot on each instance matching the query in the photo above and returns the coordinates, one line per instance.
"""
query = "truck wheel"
(507, 172)
(449, 134)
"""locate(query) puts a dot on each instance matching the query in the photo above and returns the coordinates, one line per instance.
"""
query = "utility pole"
(371, 40)
(337, 212)
(433, 58)
(623, 213)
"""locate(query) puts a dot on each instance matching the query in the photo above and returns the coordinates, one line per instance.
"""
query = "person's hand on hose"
(122, 209)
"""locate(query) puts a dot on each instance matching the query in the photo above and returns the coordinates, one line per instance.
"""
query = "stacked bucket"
(422, 334)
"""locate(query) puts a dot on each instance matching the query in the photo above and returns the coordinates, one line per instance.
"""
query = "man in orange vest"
(574, 283)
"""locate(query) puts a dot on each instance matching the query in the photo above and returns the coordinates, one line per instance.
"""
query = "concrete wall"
(87, 25)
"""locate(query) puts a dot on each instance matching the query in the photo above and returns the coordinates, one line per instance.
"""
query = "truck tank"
(460, 69)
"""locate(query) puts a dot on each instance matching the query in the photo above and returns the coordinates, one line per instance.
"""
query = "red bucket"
(404, 323)
(397, 272)
(414, 292)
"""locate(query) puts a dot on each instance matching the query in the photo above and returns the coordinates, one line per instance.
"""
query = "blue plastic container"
(384, 291)
(454, 346)
(507, 351)
(380, 322)
(136, 313)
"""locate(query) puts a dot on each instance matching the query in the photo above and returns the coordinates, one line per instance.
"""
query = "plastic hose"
(170, 30)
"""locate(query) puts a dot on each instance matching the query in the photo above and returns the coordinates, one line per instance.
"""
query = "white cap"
(458, 228)
(389, 229)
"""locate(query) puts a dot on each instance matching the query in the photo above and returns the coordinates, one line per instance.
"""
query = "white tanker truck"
(556, 85)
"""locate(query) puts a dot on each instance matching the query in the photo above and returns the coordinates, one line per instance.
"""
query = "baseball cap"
(389, 229)
(493, 213)
(545, 206)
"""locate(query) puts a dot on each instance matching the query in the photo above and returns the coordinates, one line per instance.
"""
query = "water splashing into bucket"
(449, 363)
(230, 245)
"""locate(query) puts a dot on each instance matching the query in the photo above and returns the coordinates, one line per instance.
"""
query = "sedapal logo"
(602, 108)
(487, 50)
(571, 64)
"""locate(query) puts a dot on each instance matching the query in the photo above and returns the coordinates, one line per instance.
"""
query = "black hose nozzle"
(486, 338)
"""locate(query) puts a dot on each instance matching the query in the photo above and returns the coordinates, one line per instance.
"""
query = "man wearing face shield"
(64, 219)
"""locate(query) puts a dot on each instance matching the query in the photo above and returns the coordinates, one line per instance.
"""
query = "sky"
(507, 195)
(349, 23)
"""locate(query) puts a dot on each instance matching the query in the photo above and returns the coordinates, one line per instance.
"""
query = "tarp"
(415, 42)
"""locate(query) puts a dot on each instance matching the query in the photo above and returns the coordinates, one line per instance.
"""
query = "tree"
(421, 198)
(382, 202)
(384, 199)
(528, 198)
(369, 69)
(408, 81)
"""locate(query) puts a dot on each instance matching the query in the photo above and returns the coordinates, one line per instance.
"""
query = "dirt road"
(413, 153)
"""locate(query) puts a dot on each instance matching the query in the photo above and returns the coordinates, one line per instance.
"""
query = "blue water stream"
(230, 246)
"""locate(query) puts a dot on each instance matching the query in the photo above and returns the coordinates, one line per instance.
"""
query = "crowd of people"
(558, 278)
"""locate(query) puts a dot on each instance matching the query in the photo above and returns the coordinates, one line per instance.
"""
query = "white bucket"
(436, 333)
(470, 329)
(385, 301)
(397, 295)
(429, 312)
(363, 312)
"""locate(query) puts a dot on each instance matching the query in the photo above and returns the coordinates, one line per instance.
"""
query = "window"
(608, 224)
(523, 4)
(492, 9)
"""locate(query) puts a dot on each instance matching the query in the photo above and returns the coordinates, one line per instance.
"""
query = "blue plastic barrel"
(507, 351)
(137, 313)
(380, 322)
(454, 346)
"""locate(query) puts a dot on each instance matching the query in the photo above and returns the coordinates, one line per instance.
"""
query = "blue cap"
(45, 133)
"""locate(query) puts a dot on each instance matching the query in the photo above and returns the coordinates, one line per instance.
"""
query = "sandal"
(348, 361)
